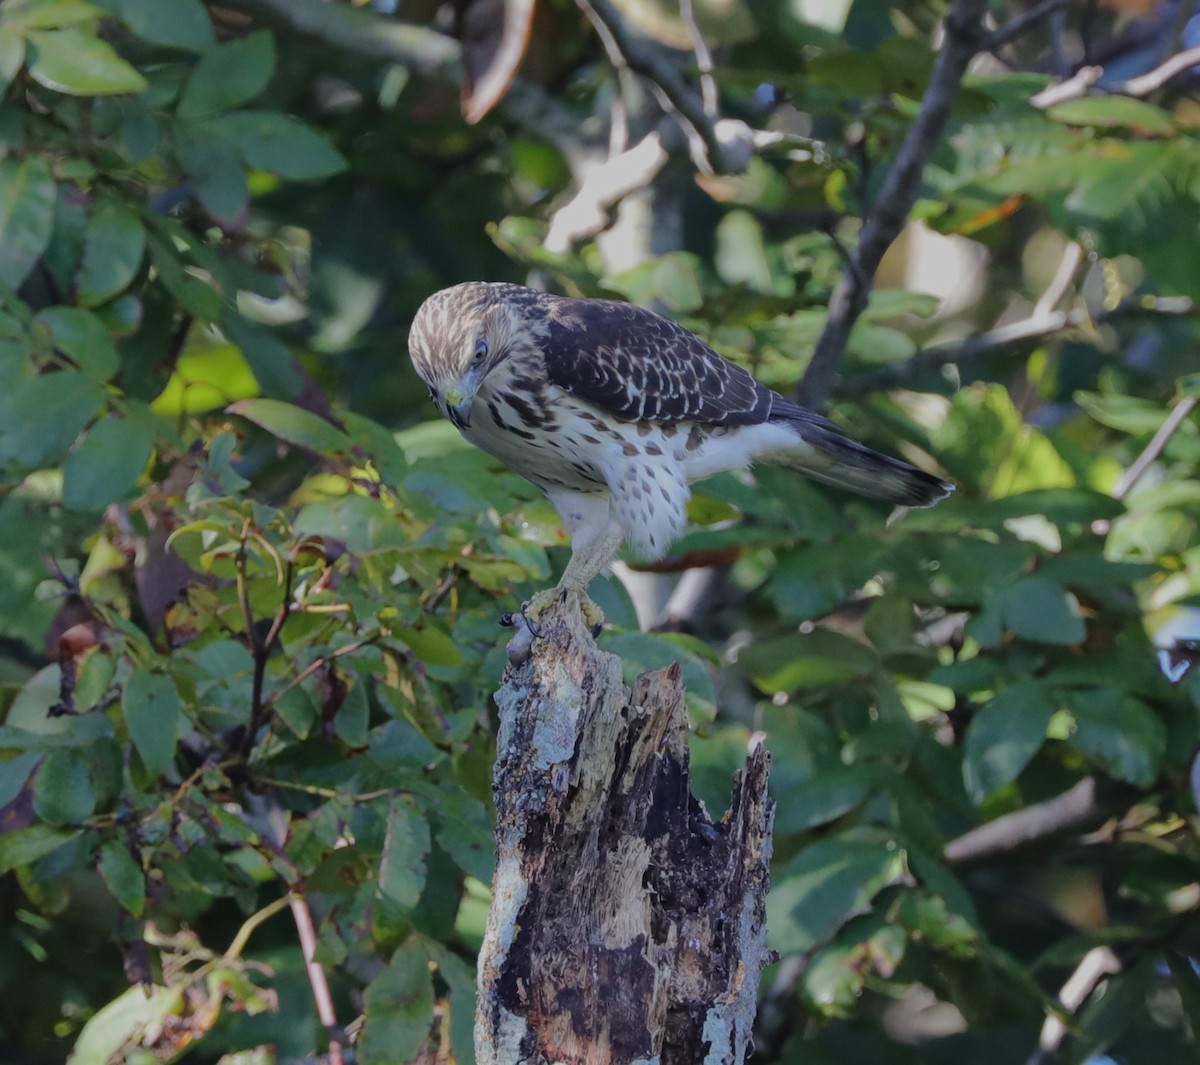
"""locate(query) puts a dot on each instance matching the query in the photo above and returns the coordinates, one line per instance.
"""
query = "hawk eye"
(481, 349)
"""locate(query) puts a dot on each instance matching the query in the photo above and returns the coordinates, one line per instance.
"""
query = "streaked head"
(459, 336)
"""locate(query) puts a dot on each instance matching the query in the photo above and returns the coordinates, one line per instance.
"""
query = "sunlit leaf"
(80, 63)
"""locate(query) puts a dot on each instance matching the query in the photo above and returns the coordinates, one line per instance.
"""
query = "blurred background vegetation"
(249, 591)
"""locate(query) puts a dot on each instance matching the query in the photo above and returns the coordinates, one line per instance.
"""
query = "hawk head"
(459, 336)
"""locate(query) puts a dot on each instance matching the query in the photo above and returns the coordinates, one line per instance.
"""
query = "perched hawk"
(613, 411)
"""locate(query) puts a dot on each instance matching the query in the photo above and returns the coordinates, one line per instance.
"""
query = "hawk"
(613, 411)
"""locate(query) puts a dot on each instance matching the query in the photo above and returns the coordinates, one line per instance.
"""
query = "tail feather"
(835, 459)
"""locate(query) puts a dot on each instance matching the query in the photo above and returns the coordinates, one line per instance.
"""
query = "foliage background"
(249, 591)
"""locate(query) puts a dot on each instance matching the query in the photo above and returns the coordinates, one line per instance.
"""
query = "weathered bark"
(626, 926)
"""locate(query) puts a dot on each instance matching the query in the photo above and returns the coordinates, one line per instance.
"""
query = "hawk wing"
(635, 364)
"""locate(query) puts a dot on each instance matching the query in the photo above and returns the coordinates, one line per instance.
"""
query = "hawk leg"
(595, 539)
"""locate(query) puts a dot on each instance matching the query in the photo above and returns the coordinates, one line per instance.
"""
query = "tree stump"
(626, 925)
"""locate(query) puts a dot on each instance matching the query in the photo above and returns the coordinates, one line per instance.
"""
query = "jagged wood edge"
(626, 926)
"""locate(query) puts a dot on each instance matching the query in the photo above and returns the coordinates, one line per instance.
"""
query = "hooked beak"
(458, 407)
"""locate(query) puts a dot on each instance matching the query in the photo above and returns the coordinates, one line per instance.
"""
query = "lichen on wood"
(626, 925)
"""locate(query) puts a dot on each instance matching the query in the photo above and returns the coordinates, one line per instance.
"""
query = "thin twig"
(320, 663)
(1143, 85)
(964, 35)
(1097, 963)
(1183, 407)
(1021, 23)
(307, 934)
(1147, 83)
(1067, 266)
(704, 60)
(638, 56)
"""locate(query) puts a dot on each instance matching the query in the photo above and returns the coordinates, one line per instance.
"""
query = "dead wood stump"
(626, 926)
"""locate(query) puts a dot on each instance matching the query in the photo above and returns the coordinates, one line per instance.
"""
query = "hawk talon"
(535, 630)
(597, 629)
(508, 619)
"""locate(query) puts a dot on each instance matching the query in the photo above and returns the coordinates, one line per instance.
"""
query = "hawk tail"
(831, 458)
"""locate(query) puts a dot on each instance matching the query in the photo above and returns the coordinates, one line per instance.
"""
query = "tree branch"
(1089, 802)
(964, 37)
(1143, 85)
(1021, 23)
(1037, 326)
(679, 96)
(1158, 442)
(1096, 964)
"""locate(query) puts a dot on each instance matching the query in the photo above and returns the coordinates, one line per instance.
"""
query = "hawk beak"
(458, 407)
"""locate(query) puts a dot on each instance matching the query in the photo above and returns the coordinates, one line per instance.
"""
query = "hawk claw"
(535, 630)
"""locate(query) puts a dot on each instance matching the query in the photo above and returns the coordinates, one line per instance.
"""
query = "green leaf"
(80, 335)
(41, 419)
(402, 868)
(175, 24)
(430, 644)
(1113, 111)
(79, 63)
(1119, 733)
(27, 195)
(294, 424)
(47, 14)
(460, 979)
(1004, 736)
(285, 146)
(124, 877)
(26, 845)
(824, 797)
(121, 1024)
(152, 712)
(1037, 610)
(105, 465)
(807, 660)
(398, 1009)
(114, 244)
(353, 716)
(268, 357)
(825, 885)
(1134, 189)
(216, 173)
(229, 75)
(12, 57)
(1187, 983)
(15, 772)
(63, 793)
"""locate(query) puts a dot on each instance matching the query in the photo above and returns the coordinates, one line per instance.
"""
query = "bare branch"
(1147, 83)
(964, 37)
(704, 60)
(1067, 266)
(1097, 963)
(602, 187)
(1035, 327)
(1087, 803)
(1158, 442)
(1074, 87)
(1143, 85)
(317, 980)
